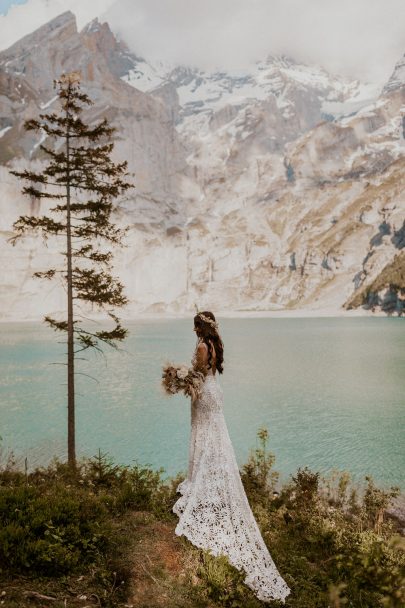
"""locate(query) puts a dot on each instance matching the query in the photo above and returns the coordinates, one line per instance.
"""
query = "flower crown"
(211, 322)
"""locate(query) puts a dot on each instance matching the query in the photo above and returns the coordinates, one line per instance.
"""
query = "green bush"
(50, 530)
(331, 543)
(223, 584)
(333, 546)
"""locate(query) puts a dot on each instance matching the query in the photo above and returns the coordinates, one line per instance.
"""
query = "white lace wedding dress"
(213, 509)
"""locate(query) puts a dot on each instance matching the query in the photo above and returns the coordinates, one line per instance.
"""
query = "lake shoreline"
(303, 313)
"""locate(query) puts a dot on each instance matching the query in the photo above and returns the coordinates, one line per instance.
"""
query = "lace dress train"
(213, 509)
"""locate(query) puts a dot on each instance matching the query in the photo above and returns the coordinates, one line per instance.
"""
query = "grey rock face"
(246, 197)
(397, 80)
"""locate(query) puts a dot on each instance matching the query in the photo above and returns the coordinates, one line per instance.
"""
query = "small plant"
(102, 471)
(7, 459)
(375, 502)
(257, 474)
(306, 487)
(224, 584)
(336, 487)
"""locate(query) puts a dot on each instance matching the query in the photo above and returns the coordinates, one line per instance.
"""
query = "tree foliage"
(84, 170)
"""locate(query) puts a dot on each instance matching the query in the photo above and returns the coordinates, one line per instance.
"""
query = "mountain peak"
(65, 22)
(100, 39)
(92, 27)
(98, 29)
(40, 57)
(60, 20)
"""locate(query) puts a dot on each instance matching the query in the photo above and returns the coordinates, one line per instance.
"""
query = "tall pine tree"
(81, 181)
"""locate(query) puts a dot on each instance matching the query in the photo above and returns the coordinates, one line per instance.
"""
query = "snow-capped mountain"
(281, 77)
(278, 187)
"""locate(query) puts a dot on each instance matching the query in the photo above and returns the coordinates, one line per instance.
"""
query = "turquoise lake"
(331, 392)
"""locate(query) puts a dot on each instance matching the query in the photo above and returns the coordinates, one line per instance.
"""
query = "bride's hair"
(207, 327)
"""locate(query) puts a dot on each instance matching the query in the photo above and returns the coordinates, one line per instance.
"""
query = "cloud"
(357, 38)
(361, 38)
(23, 19)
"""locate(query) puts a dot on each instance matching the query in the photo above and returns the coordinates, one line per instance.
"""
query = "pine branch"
(119, 333)
(98, 288)
(34, 193)
(46, 274)
(56, 325)
(90, 339)
(31, 176)
(88, 252)
(30, 223)
(107, 233)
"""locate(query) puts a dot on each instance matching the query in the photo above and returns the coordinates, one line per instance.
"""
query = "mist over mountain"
(277, 186)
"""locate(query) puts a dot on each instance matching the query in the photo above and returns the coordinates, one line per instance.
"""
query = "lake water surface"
(329, 390)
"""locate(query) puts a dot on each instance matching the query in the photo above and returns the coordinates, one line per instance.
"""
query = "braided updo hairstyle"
(208, 332)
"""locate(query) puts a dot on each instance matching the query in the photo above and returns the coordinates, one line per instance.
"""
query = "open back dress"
(213, 510)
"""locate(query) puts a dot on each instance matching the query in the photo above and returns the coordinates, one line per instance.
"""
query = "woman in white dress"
(213, 509)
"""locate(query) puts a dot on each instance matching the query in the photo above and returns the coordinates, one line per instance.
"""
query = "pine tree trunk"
(70, 340)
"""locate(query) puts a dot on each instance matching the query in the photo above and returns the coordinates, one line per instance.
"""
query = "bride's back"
(206, 357)
(213, 362)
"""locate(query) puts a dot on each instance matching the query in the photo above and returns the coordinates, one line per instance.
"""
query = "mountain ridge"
(243, 201)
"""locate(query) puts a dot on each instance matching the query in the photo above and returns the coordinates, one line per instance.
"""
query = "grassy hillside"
(391, 278)
(104, 536)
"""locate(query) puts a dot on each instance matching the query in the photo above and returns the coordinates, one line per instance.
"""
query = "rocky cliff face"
(145, 136)
(275, 188)
(145, 133)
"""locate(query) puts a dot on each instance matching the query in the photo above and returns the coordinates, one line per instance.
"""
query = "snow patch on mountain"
(4, 131)
(143, 76)
(200, 91)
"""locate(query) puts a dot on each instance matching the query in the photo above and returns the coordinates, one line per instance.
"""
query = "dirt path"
(163, 566)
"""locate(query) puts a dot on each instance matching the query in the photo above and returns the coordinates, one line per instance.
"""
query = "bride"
(213, 509)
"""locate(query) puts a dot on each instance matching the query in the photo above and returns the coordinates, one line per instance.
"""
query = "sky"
(355, 38)
(5, 5)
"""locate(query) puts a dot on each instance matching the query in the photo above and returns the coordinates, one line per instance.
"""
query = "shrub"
(52, 530)
(323, 539)
(224, 584)
(257, 474)
(375, 501)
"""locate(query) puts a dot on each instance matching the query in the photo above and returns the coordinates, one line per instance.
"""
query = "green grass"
(104, 536)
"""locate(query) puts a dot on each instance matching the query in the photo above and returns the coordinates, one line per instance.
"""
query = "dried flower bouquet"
(180, 378)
